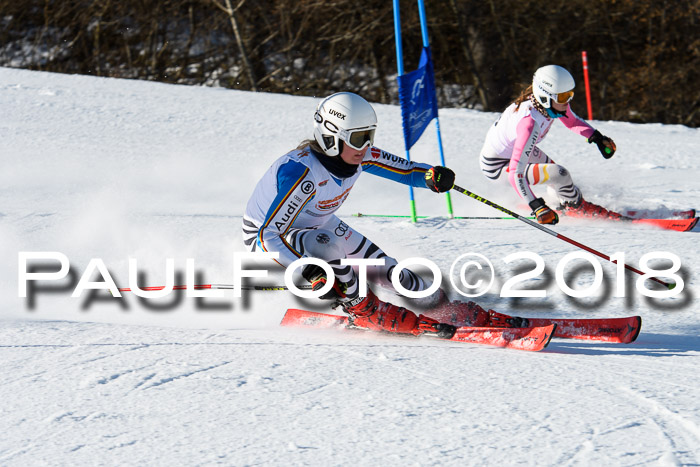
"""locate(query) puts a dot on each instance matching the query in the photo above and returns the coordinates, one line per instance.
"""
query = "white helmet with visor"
(553, 83)
(345, 118)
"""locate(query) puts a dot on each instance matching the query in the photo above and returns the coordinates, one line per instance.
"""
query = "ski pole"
(220, 286)
(359, 214)
(555, 234)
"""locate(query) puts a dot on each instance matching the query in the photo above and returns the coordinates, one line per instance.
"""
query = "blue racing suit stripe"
(286, 207)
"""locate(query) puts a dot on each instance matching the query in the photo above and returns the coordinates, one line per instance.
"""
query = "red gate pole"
(588, 86)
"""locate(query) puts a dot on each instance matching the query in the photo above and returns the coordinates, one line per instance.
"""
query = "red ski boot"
(585, 209)
(371, 313)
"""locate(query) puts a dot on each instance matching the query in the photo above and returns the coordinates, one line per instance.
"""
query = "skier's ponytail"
(311, 143)
(524, 95)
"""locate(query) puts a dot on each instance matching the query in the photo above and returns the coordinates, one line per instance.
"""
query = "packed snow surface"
(112, 169)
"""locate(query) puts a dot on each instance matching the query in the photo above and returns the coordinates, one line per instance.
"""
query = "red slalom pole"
(584, 57)
(464, 191)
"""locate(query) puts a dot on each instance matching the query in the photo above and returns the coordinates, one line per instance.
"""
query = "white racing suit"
(511, 147)
(291, 212)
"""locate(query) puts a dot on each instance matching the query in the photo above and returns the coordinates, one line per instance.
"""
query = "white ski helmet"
(345, 117)
(553, 82)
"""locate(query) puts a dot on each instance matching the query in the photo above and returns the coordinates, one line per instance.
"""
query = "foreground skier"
(291, 212)
(511, 144)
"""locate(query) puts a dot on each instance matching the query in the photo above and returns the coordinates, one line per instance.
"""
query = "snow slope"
(115, 169)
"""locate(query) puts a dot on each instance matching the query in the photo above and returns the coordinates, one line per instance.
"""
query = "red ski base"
(647, 213)
(618, 330)
(679, 225)
(531, 338)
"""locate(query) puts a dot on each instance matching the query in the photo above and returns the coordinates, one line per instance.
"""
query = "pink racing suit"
(511, 144)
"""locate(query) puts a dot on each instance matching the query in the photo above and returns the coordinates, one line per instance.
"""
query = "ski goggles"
(563, 97)
(357, 138)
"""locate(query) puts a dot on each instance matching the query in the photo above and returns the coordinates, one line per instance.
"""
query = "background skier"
(510, 151)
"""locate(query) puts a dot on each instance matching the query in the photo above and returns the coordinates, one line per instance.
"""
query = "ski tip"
(692, 225)
(635, 332)
(551, 334)
(634, 327)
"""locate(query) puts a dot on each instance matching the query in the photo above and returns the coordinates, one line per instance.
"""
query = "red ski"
(596, 212)
(660, 213)
(532, 338)
(680, 225)
(619, 330)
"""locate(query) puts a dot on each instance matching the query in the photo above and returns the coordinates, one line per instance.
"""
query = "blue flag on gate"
(417, 98)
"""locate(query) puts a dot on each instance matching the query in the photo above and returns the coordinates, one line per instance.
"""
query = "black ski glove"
(317, 277)
(606, 146)
(440, 179)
